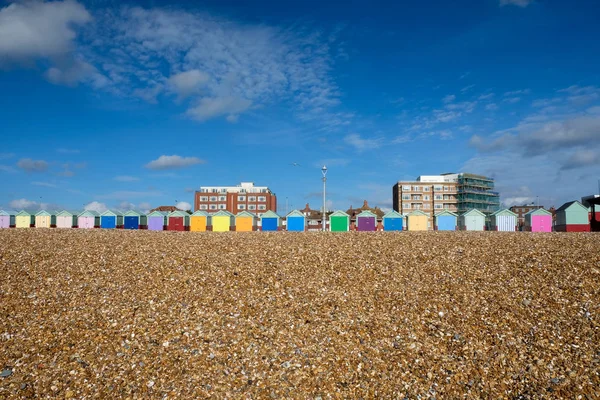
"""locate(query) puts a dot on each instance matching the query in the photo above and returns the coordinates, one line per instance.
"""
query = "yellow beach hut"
(417, 221)
(23, 219)
(45, 219)
(222, 221)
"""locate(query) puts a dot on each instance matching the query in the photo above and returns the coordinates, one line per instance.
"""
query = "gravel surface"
(137, 314)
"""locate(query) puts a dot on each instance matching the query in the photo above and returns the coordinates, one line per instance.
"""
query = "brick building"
(457, 193)
(243, 197)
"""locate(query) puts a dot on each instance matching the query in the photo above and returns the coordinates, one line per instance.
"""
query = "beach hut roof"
(178, 213)
(5, 212)
(417, 212)
(571, 204)
(200, 213)
(366, 213)
(158, 214)
(474, 211)
(445, 212)
(23, 213)
(245, 214)
(295, 213)
(222, 213)
(65, 213)
(393, 214)
(112, 213)
(269, 214)
(43, 213)
(339, 213)
(132, 213)
(539, 211)
(88, 213)
(505, 212)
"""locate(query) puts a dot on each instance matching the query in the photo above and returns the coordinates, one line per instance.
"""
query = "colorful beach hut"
(7, 219)
(88, 219)
(503, 221)
(538, 220)
(199, 221)
(66, 219)
(417, 221)
(222, 221)
(339, 221)
(157, 220)
(245, 222)
(270, 221)
(178, 221)
(134, 220)
(366, 221)
(295, 221)
(45, 219)
(393, 221)
(445, 221)
(572, 217)
(472, 220)
(111, 219)
(24, 219)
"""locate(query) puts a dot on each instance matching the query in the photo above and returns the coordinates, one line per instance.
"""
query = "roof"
(339, 213)
(222, 213)
(23, 212)
(111, 213)
(158, 214)
(200, 214)
(539, 211)
(132, 213)
(445, 212)
(65, 213)
(295, 213)
(165, 209)
(2, 212)
(504, 211)
(570, 204)
(393, 214)
(88, 213)
(417, 212)
(474, 211)
(366, 213)
(269, 214)
(178, 213)
(365, 207)
(244, 214)
(43, 213)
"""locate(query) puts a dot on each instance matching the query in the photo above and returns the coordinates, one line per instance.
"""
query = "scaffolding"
(476, 192)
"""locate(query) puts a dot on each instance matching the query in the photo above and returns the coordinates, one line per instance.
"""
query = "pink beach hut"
(88, 219)
(538, 220)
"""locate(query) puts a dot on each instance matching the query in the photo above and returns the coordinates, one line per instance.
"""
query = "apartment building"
(243, 197)
(521, 211)
(453, 192)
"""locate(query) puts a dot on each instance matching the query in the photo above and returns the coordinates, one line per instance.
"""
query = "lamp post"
(324, 216)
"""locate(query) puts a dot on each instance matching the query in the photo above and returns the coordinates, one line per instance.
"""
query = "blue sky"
(136, 104)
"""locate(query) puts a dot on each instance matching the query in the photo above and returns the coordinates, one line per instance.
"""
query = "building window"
(438, 206)
(426, 206)
(445, 188)
(426, 198)
(241, 198)
(203, 207)
(241, 206)
(251, 198)
(426, 188)
(437, 188)
(222, 198)
(262, 199)
(213, 206)
(213, 198)
(438, 197)
(406, 205)
(406, 197)
(251, 207)
(262, 207)
(407, 188)
(203, 198)
(416, 188)
(222, 207)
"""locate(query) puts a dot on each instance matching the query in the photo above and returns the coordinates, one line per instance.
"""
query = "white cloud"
(582, 158)
(491, 107)
(486, 96)
(95, 206)
(520, 3)
(183, 205)
(33, 29)
(512, 100)
(402, 139)
(213, 107)
(73, 72)
(361, 144)
(126, 178)
(189, 82)
(467, 88)
(517, 93)
(30, 165)
(7, 168)
(466, 106)
(144, 207)
(449, 98)
(24, 204)
(173, 162)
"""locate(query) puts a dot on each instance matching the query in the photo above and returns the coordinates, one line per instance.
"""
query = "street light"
(324, 171)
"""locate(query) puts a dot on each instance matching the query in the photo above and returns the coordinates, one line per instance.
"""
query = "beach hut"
(7, 219)
(572, 217)
(157, 220)
(178, 221)
(134, 220)
(538, 220)
(245, 222)
(66, 219)
(472, 220)
(45, 219)
(88, 219)
(339, 221)
(111, 219)
(417, 221)
(295, 221)
(199, 221)
(504, 221)
(366, 221)
(393, 221)
(270, 221)
(24, 219)
(222, 221)
(445, 221)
